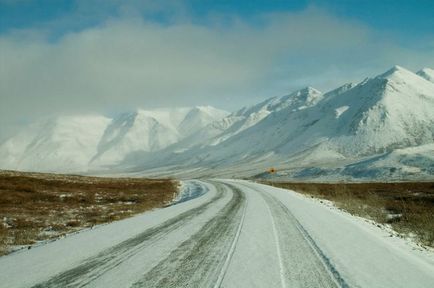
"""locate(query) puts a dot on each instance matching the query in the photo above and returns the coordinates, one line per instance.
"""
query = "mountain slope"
(61, 144)
(77, 143)
(427, 73)
(368, 127)
(219, 131)
(249, 117)
(394, 110)
(150, 131)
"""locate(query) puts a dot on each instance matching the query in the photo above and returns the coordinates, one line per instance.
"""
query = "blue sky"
(406, 19)
(108, 56)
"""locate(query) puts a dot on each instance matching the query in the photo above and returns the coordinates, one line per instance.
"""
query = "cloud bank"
(128, 61)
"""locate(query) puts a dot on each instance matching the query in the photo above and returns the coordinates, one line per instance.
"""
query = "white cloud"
(127, 62)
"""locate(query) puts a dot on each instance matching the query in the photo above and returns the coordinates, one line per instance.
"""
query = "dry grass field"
(408, 207)
(39, 206)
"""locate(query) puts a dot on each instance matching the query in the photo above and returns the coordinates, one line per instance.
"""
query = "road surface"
(225, 233)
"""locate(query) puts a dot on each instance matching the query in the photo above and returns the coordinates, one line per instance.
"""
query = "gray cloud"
(127, 62)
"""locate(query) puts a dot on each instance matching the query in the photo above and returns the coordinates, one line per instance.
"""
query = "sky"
(109, 56)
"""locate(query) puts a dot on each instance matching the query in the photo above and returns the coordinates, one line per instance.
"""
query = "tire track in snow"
(278, 249)
(304, 264)
(201, 260)
(232, 249)
(94, 267)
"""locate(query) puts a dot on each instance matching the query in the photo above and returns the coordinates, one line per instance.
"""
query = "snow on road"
(356, 252)
(237, 234)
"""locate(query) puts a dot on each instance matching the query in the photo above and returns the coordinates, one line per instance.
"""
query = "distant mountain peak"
(340, 90)
(396, 71)
(151, 130)
(397, 68)
(426, 73)
(210, 110)
(302, 98)
(310, 90)
(401, 79)
(426, 69)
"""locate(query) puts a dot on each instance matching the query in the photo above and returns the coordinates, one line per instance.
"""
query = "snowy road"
(237, 234)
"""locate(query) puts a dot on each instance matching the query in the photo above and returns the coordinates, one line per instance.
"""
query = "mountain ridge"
(393, 111)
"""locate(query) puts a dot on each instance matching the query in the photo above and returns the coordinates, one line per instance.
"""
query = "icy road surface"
(237, 234)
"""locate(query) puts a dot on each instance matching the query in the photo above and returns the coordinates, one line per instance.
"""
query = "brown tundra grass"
(37, 206)
(408, 206)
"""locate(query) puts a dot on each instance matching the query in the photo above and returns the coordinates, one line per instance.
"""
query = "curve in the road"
(94, 267)
(239, 235)
(200, 261)
(189, 192)
(204, 257)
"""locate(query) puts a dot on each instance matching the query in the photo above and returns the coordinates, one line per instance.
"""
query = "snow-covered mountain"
(427, 73)
(219, 131)
(250, 116)
(394, 110)
(150, 131)
(380, 127)
(77, 143)
(61, 144)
